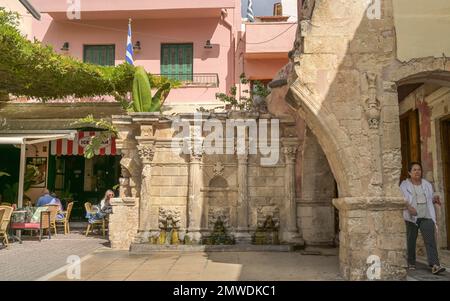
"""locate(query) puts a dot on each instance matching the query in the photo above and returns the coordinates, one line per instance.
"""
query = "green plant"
(31, 69)
(244, 102)
(108, 130)
(11, 191)
(4, 174)
(259, 89)
(28, 68)
(143, 101)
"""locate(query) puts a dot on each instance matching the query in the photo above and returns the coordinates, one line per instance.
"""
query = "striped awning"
(76, 147)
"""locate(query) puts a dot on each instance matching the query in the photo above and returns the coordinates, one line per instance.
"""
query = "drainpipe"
(223, 14)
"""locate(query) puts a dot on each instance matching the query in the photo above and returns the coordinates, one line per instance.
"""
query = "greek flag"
(250, 15)
(129, 55)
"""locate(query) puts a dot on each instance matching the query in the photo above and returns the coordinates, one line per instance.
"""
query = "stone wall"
(316, 212)
(200, 187)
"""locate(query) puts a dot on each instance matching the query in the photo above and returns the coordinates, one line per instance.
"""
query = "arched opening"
(317, 216)
(424, 101)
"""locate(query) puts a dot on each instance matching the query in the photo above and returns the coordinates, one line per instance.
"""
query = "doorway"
(81, 180)
(410, 140)
(445, 147)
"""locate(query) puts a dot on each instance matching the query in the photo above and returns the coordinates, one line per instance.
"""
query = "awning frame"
(24, 138)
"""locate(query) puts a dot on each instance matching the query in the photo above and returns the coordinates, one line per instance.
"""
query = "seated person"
(103, 210)
(45, 199)
(57, 201)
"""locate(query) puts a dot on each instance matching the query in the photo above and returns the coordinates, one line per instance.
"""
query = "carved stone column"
(372, 109)
(130, 164)
(124, 220)
(195, 198)
(146, 153)
(290, 232)
(242, 235)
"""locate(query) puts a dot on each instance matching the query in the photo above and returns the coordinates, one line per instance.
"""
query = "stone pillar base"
(372, 238)
(242, 237)
(123, 222)
(193, 237)
(292, 237)
(141, 237)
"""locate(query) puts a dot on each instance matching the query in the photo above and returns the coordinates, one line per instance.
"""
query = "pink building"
(203, 43)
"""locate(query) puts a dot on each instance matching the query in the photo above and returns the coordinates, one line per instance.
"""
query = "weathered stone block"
(179, 181)
(170, 171)
(391, 241)
(161, 181)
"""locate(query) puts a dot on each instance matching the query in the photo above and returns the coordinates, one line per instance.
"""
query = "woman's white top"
(415, 196)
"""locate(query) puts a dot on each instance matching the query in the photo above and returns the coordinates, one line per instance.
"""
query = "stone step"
(149, 248)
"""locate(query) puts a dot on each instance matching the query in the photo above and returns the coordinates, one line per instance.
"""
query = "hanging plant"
(108, 131)
(31, 69)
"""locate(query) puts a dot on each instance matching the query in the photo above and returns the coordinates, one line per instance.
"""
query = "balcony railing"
(195, 79)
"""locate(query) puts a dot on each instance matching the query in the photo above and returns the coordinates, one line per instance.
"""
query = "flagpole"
(129, 48)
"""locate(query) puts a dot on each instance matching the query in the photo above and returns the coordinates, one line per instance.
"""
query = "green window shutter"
(177, 61)
(103, 55)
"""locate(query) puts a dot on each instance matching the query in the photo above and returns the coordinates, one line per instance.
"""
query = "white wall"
(290, 9)
(422, 28)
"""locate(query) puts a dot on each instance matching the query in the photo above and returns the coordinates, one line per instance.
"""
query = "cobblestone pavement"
(33, 259)
(219, 266)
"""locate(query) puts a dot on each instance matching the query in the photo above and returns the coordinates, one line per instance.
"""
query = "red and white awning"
(76, 147)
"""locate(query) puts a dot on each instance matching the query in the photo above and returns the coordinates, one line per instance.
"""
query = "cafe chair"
(65, 221)
(5, 218)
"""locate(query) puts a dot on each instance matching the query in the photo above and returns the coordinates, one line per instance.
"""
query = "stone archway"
(333, 141)
(342, 88)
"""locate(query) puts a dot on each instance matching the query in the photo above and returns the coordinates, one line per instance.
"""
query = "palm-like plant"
(143, 101)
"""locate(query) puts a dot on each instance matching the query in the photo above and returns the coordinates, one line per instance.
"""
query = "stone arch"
(334, 142)
(427, 69)
(218, 182)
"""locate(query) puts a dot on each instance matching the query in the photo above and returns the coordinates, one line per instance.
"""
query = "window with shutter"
(103, 55)
(177, 61)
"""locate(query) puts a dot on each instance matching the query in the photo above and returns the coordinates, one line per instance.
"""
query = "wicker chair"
(65, 220)
(53, 208)
(101, 222)
(5, 212)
